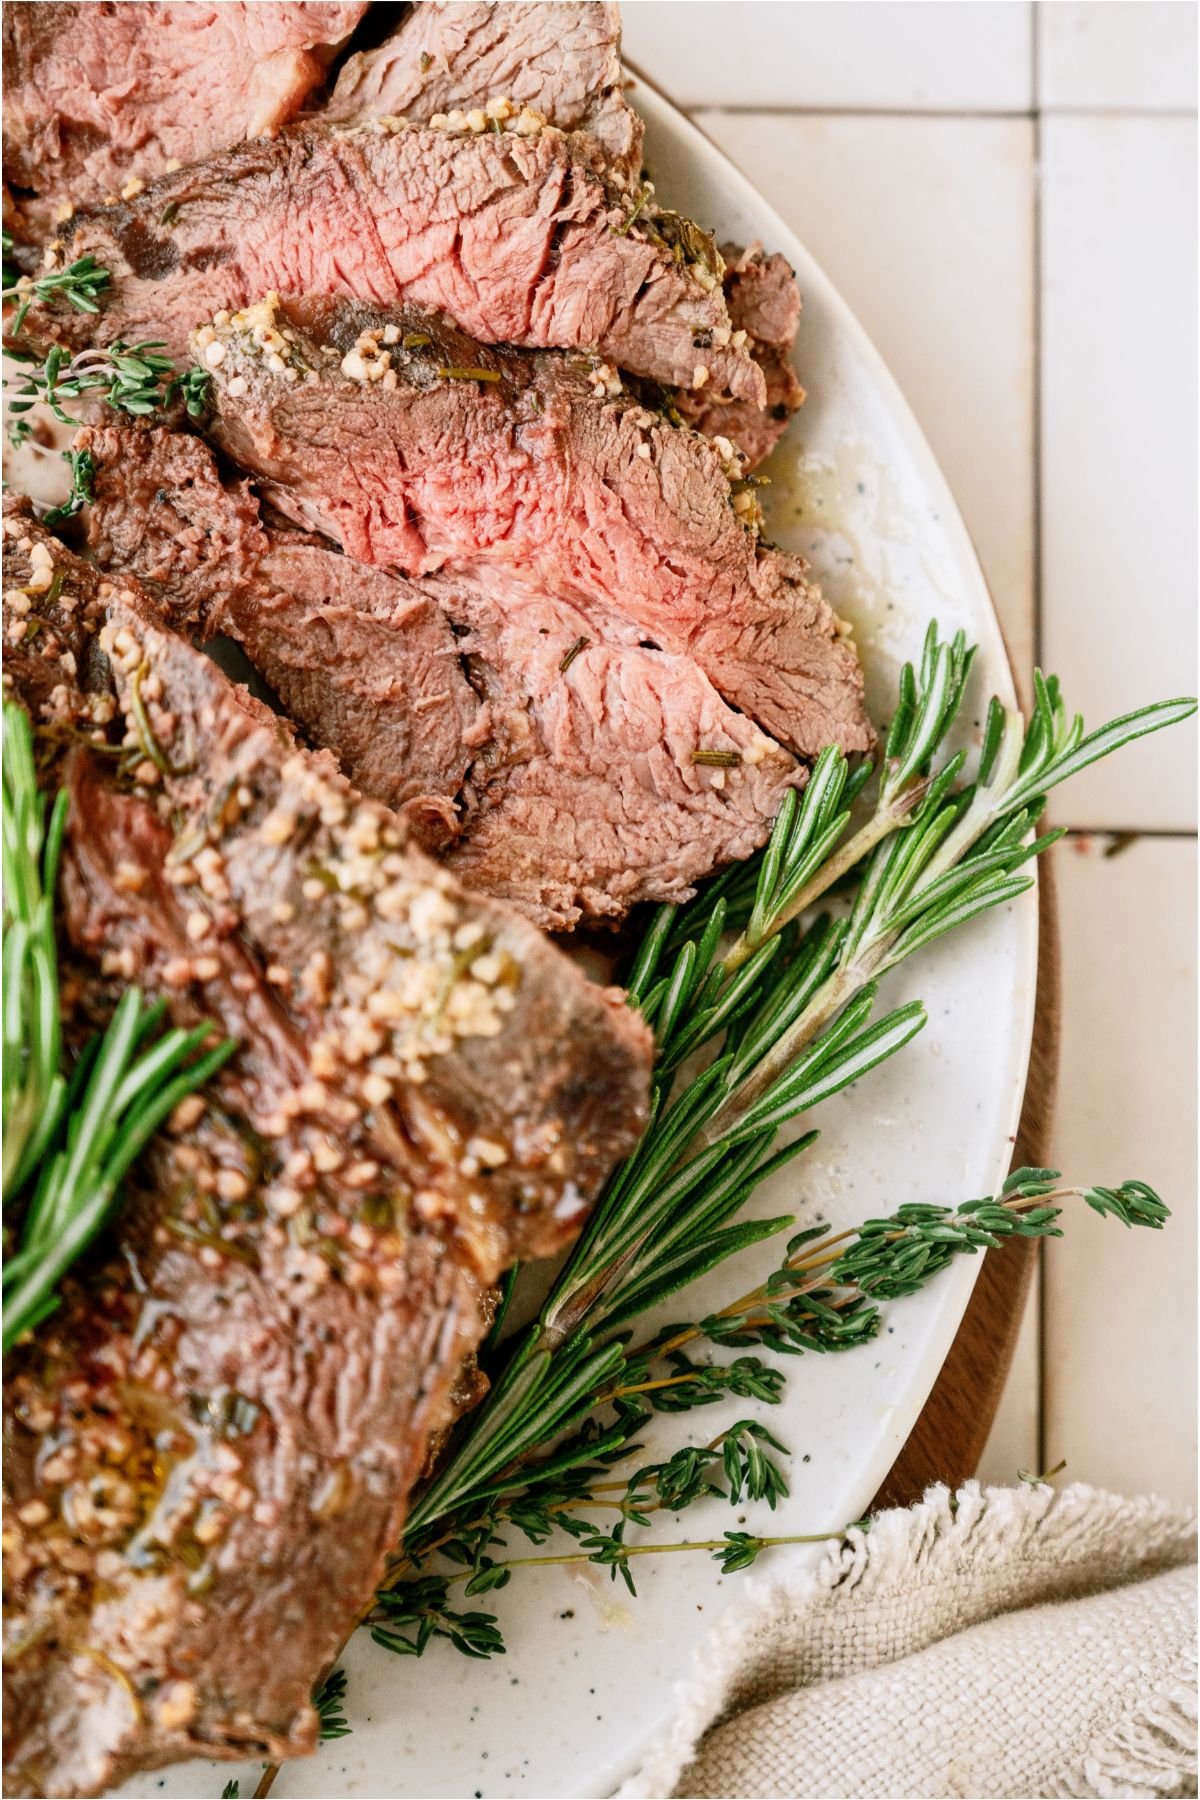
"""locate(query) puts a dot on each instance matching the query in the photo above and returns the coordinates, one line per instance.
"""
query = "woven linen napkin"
(995, 1641)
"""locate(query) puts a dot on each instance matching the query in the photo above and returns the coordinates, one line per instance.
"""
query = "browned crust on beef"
(525, 240)
(562, 62)
(764, 301)
(240, 1396)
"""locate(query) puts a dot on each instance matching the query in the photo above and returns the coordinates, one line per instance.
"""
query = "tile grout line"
(1040, 1297)
(1118, 112)
(849, 110)
(984, 114)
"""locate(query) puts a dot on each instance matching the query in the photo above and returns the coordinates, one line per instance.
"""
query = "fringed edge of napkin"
(1073, 1540)
(1147, 1750)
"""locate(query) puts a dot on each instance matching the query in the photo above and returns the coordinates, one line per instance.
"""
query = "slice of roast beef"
(210, 1446)
(366, 664)
(763, 301)
(524, 239)
(554, 766)
(97, 96)
(561, 62)
(564, 63)
(316, 878)
(532, 478)
(615, 773)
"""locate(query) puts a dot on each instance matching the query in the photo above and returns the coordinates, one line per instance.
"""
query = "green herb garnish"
(81, 285)
(328, 1700)
(788, 1014)
(467, 374)
(577, 649)
(83, 477)
(70, 1136)
(131, 378)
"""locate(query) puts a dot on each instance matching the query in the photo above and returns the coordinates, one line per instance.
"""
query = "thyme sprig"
(83, 478)
(70, 1136)
(329, 1701)
(825, 1294)
(131, 378)
(81, 285)
(414, 1608)
(822, 1298)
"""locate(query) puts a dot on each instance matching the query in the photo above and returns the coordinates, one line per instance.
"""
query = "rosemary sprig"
(935, 855)
(119, 1096)
(81, 285)
(35, 1088)
(789, 1016)
(131, 378)
(70, 1139)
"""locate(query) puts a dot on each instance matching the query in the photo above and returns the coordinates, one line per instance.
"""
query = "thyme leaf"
(329, 1700)
(81, 285)
(83, 476)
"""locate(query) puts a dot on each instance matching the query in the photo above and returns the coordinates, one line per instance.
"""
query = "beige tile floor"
(1005, 194)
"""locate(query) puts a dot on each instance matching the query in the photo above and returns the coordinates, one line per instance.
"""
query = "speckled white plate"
(588, 1680)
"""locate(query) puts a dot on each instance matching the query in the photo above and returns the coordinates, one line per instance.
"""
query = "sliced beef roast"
(365, 663)
(210, 1446)
(523, 239)
(615, 772)
(764, 302)
(533, 478)
(449, 57)
(559, 61)
(97, 96)
(546, 757)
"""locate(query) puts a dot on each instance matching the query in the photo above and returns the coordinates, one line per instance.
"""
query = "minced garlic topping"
(498, 115)
(255, 331)
(422, 976)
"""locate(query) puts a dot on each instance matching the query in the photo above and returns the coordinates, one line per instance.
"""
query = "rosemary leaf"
(69, 1142)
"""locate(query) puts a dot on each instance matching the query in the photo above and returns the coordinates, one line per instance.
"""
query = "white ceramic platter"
(587, 1682)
